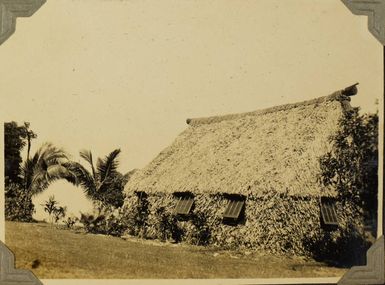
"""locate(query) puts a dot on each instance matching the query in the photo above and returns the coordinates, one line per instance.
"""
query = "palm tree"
(30, 135)
(47, 165)
(103, 184)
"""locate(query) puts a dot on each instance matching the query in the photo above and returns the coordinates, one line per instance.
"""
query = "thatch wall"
(273, 224)
(275, 149)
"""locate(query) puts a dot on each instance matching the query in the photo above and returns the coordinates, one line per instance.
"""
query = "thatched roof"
(275, 149)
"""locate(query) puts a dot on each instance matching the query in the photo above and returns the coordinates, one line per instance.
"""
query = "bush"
(167, 226)
(345, 247)
(136, 216)
(107, 224)
(115, 225)
(201, 233)
(93, 224)
(70, 222)
(18, 204)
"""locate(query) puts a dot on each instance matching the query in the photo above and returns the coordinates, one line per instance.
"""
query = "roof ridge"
(336, 96)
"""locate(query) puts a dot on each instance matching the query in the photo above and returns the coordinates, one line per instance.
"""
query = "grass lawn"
(58, 253)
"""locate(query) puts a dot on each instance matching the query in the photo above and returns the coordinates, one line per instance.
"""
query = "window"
(329, 213)
(184, 205)
(234, 208)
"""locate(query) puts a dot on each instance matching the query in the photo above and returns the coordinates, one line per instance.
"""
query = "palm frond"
(87, 156)
(27, 170)
(51, 154)
(108, 165)
(42, 178)
(45, 166)
(71, 176)
(84, 179)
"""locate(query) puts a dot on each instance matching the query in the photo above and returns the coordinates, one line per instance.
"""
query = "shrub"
(201, 233)
(136, 215)
(60, 212)
(93, 224)
(167, 226)
(345, 247)
(70, 222)
(107, 224)
(18, 204)
(115, 225)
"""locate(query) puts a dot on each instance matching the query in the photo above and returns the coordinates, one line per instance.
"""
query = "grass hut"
(249, 180)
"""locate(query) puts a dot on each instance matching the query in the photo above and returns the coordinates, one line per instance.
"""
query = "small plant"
(70, 222)
(59, 213)
(55, 212)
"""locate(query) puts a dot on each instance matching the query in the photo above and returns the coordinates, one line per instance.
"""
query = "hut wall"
(274, 223)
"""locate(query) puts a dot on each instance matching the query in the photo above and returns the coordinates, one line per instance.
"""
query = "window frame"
(328, 212)
(239, 202)
(184, 204)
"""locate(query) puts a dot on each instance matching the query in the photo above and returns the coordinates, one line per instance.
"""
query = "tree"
(351, 167)
(22, 181)
(14, 141)
(369, 193)
(18, 203)
(103, 183)
(29, 135)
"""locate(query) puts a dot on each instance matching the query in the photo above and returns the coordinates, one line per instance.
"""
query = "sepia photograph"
(191, 139)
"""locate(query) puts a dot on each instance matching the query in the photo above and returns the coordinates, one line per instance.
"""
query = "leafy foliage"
(50, 205)
(351, 169)
(59, 213)
(47, 165)
(107, 223)
(18, 204)
(137, 216)
(103, 184)
(14, 141)
(167, 225)
(70, 222)
(34, 176)
(202, 232)
(54, 211)
(344, 248)
(93, 224)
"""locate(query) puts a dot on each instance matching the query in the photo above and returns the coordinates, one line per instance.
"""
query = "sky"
(101, 75)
